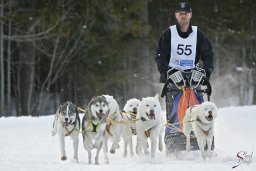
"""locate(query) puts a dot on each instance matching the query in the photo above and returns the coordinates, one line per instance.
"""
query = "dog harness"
(206, 133)
(134, 132)
(147, 133)
(108, 128)
(91, 125)
(69, 132)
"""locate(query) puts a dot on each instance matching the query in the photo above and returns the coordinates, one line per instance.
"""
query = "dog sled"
(181, 90)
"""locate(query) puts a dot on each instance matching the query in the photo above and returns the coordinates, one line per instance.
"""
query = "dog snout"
(210, 116)
(151, 112)
(66, 119)
(100, 110)
(134, 109)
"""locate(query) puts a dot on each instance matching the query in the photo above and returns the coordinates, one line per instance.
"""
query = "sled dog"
(67, 123)
(94, 126)
(129, 128)
(113, 127)
(149, 125)
(200, 119)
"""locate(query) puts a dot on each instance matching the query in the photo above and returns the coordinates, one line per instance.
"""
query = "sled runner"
(181, 90)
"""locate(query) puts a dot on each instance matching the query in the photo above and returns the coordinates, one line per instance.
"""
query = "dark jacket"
(203, 51)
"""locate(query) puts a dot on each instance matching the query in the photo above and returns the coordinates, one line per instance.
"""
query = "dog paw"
(74, 161)
(106, 161)
(161, 147)
(94, 146)
(188, 148)
(125, 154)
(146, 153)
(53, 132)
(112, 151)
(139, 150)
(213, 154)
(64, 157)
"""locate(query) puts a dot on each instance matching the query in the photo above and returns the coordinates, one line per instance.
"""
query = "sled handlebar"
(206, 82)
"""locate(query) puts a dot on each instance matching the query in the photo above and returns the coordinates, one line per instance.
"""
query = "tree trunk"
(9, 103)
(146, 70)
(27, 75)
(2, 94)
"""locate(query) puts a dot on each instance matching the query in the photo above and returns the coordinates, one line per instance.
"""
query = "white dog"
(149, 125)
(129, 128)
(113, 129)
(67, 123)
(94, 126)
(200, 119)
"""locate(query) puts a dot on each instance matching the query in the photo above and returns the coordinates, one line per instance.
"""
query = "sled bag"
(181, 102)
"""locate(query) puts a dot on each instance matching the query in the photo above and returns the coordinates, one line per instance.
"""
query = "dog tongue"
(100, 115)
(209, 118)
(151, 116)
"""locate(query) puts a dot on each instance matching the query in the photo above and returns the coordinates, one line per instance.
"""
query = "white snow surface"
(26, 144)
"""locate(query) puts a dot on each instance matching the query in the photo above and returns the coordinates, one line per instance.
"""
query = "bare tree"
(29, 43)
(8, 73)
(62, 53)
(2, 94)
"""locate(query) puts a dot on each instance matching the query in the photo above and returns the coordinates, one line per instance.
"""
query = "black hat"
(183, 6)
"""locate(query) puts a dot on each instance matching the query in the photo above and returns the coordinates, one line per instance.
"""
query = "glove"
(208, 72)
(172, 71)
(163, 77)
(204, 80)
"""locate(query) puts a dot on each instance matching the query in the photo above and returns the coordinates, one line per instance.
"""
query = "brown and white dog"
(129, 128)
(149, 125)
(200, 119)
(67, 123)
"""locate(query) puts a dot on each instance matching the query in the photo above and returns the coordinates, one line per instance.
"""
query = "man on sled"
(180, 49)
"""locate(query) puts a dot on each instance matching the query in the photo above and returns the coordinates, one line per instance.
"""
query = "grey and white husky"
(94, 126)
(67, 123)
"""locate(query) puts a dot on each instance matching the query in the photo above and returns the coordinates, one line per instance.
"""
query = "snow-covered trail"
(26, 144)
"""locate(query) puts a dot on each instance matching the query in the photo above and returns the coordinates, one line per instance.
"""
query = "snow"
(26, 144)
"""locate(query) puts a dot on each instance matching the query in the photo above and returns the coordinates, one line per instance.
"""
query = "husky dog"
(113, 126)
(200, 119)
(149, 125)
(94, 126)
(129, 129)
(67, 123)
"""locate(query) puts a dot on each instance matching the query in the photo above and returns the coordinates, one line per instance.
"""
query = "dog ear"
(156, 96)
(125, 107)
(215, 107)
(139, 111)
(216, 110)
(194, 113)
(58, 111)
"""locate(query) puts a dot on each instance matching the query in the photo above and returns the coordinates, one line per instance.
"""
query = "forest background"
(52, 51)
